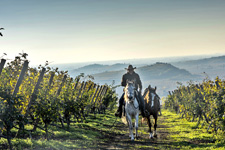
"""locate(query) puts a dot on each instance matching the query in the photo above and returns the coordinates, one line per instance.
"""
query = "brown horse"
(152, 105)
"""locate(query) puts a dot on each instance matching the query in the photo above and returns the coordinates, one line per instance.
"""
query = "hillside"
(164, 71)
(214, 66)
(162, 75)
(155, 71)
(212, 60)
(98, 68)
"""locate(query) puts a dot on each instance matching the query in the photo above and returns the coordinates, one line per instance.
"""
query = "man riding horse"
(131, 75)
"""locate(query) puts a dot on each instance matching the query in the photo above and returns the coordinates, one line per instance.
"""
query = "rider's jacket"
(133, 76)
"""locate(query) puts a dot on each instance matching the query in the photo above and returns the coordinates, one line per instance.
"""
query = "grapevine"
(204, 103)
(45, 96)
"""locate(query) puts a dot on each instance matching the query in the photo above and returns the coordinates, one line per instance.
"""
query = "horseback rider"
(131, 75)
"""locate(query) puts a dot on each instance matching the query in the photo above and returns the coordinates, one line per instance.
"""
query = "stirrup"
(118, 114)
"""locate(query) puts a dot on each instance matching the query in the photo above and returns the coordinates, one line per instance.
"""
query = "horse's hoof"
(154, 134)
(150, 136)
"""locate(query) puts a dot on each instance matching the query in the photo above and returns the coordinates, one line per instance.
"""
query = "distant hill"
(155, 71)
(205, 61)
(214, 66)
(162, 75)
(98, 68)
(164, 71)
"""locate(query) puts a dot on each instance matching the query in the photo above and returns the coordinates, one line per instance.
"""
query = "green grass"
(104, 132)
(80, 135)
(184, 134)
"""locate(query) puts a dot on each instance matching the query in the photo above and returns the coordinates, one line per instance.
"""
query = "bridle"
(153, 96)
(131, 96)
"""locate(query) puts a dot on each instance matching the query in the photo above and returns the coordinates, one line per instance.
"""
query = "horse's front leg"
(129, 120)
(136, 125)
(149, 125)
(155, 126)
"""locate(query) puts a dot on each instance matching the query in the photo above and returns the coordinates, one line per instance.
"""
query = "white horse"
(131, 107)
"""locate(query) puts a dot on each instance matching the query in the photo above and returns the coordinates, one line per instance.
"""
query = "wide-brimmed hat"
(130, 67)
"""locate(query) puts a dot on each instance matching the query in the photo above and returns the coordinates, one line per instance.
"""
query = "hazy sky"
(66, 31)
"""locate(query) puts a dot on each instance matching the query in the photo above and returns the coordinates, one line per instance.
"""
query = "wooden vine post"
(60, 87)
(96, 99)
(103, 93)
(82, 84)
(93, 93)
(75, 86)
(2, 65)
(49, 85)
(83, 89)
(102, 106)
(57, 94)
(92, 100)
(33, 98)
(20, 79)
(100, 94)
(34, 94)
(89, 88)
(16, 89)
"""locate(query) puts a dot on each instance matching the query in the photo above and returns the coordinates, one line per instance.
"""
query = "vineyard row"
(44, 96)
(204, 103)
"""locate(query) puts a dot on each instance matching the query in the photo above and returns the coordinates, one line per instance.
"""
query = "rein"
(134, 96)
(153, 97)
(132, 101)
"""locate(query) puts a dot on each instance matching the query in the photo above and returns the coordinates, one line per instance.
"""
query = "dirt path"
(122, 141)
(173, 133)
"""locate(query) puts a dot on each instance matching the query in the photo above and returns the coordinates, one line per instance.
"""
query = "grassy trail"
(173, 133)
(107, 132)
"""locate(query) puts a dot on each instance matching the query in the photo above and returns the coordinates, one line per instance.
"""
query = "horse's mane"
(129, 83)
(145, 92)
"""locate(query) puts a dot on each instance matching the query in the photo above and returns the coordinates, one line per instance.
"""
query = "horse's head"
(152, 97)
(152, 90)
(129, 90)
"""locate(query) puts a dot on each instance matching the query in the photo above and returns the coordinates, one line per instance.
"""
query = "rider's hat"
(130, 67)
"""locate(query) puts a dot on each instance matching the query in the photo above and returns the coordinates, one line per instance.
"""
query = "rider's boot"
(144, 112)
(119, 111)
